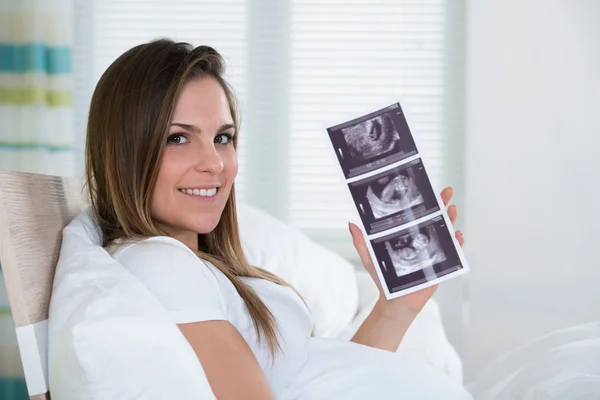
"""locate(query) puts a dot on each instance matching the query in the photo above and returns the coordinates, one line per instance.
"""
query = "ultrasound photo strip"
(409, 234)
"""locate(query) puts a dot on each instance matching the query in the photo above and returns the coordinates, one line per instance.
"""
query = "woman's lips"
(206, 195)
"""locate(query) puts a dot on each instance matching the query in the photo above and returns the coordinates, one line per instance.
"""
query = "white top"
(194, 290)
(308, 368)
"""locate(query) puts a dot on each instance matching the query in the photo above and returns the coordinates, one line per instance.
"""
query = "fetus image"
(416, 250)
(393, 193)
(371, 138)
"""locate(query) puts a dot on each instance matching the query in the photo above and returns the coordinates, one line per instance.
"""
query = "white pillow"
(99, 312)
(326, 280)
(109, 338)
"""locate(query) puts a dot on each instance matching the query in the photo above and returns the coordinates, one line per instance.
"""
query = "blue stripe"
(35, 57)
(13, 389)
(4, 309)
(34, 146)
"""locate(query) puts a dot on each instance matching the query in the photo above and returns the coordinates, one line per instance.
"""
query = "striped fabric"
(35, 52)
(36, 122)
(36, 86)
(11, 388)
(12, 384)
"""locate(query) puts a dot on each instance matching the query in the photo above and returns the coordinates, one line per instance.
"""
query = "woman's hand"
(410, 304)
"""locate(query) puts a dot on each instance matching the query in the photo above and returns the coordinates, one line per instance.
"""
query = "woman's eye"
(176, 138)
(224, 138)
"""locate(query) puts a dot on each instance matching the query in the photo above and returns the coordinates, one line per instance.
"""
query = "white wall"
(533, 171)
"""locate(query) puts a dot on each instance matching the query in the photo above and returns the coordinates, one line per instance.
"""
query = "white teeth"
(200, 192)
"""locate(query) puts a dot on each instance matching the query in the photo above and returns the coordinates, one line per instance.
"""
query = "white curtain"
(36, 114)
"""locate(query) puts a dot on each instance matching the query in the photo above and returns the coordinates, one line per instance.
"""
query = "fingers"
(447, 195)
(453, 213)
(359, 243)
(460, 237)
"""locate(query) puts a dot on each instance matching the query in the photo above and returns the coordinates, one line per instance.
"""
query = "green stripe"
(5, 312)
(36, 96)
(4, 145)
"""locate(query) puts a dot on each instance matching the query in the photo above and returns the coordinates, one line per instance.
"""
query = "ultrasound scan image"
(393, 193)
(371, 138)
(415, 251)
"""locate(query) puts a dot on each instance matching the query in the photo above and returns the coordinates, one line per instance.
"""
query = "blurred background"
(502, 97)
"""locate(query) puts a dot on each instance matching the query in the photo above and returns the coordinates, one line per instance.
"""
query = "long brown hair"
(130, 113)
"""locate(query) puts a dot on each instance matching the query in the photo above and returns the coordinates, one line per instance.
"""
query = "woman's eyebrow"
(187, 127)
(195, 129)
(224, 127)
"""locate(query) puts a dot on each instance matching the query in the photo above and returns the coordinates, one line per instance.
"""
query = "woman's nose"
(209, 160)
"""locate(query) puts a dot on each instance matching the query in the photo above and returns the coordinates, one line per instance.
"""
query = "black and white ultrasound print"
(394, 197)
(371, 138)
(372, 141)
(391, 194)
(421, 253)
(409, 236)
(416, 250)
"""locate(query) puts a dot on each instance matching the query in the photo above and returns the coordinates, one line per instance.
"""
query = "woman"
(161, 164)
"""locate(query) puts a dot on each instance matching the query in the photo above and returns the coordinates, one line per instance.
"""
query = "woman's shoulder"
(160, 255)
(155, 244)
(156, 249)
(175, 274)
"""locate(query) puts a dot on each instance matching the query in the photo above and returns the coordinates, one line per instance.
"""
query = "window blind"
(298, 66)
(351, 57)
(107, 28)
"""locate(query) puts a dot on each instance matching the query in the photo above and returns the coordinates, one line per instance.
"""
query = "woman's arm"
(389, 320)
(383, 329)
(229, 364)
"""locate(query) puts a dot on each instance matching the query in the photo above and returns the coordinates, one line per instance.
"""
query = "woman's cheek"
(231, 162)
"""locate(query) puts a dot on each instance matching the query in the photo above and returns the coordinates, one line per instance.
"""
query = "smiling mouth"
(200, 192)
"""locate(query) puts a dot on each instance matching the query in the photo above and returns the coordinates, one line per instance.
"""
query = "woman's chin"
(206, 224)
(204, 228)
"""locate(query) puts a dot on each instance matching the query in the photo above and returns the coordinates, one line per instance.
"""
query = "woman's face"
(199, 164)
